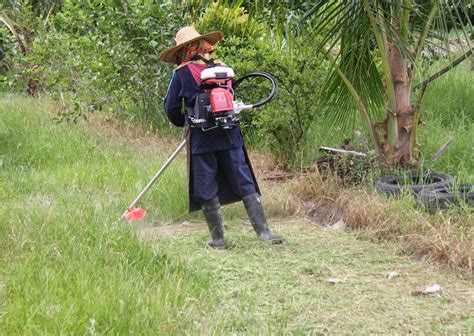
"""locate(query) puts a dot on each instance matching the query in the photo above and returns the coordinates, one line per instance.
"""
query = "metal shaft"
(153, 180)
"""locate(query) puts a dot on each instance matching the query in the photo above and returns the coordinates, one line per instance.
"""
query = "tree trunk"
(401, 153)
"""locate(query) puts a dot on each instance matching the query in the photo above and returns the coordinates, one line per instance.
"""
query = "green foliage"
(100, 55)
(95, 57)
(282, 125)
(5, 54)
(448, 111)
(233, 21)
(349, 35)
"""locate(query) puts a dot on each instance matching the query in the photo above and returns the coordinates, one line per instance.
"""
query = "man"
(218, 165)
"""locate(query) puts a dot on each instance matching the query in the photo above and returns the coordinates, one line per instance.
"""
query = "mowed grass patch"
(320, 281)
(67, 265)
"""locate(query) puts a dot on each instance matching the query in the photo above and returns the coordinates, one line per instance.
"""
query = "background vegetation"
(79, 151)
(96, 56)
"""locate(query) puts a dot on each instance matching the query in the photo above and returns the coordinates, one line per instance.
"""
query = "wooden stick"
(442, 149)
(343, 151)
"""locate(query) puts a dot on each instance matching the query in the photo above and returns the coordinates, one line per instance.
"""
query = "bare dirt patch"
(170, 230)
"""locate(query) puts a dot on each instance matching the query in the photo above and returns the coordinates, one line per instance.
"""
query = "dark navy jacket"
(183, 87)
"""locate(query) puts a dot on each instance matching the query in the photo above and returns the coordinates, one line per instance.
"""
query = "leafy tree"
(251, 44)
(102, 53)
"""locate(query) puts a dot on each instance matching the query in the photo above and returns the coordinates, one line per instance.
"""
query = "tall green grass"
(448, 111)
(67, 265)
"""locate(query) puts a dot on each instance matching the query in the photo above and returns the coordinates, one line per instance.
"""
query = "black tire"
(444, 197)
(414, 182)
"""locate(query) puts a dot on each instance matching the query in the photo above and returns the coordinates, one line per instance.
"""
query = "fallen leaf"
(334, 280)
(393, 275)
(432, 289)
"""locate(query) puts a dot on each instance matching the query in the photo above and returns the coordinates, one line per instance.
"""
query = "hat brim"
(169, 54)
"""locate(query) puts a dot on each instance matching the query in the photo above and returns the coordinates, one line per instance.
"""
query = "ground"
(68, 266)
(319, 281)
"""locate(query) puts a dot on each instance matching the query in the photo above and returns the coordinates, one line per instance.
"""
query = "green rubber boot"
(254, 208)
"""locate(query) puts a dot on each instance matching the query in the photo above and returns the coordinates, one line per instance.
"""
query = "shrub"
(250, 45)
(107, 55)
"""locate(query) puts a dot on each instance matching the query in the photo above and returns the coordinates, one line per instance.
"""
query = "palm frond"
(343, 28)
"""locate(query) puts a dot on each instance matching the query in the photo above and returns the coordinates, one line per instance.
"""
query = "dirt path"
(319, 281)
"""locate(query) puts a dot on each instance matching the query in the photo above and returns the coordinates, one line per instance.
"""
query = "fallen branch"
(343, 151)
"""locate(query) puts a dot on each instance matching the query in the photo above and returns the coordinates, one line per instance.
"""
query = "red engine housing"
(221, 100)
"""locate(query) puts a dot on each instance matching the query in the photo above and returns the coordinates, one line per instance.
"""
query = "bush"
(107, 55)
(283, 124)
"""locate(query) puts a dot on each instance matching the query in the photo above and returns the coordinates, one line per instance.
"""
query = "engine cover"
(221, 100)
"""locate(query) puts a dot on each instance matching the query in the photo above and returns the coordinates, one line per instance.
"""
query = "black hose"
(267, 75)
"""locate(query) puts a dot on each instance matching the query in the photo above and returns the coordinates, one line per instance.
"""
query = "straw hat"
(186, 35)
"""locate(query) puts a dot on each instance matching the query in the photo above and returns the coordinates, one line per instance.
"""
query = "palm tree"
(375, 48)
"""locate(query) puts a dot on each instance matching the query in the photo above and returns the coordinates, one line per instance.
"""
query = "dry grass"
(446, 237)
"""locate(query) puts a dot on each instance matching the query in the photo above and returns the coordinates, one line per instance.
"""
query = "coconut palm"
(376, 48)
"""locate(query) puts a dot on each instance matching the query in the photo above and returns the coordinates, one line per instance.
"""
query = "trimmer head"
(134, 214)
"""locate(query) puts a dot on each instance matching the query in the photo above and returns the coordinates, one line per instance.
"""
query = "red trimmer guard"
(135, 214)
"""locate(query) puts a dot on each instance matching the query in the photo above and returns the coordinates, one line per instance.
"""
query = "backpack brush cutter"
(218, 104)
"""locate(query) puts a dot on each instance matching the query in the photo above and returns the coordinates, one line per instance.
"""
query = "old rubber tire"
(414, 182)
(444, 197)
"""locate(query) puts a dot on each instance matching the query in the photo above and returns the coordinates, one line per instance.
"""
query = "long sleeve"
(174, 102)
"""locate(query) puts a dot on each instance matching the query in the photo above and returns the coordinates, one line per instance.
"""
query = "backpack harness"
(214, 106)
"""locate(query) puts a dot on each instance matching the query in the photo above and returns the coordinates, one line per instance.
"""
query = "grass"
(443, 236)
(264, 290)
(66, 266)
(448, 111)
